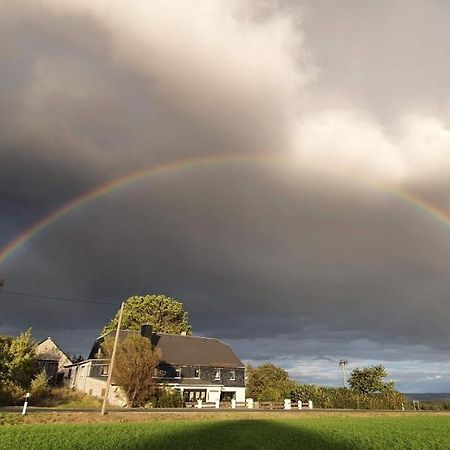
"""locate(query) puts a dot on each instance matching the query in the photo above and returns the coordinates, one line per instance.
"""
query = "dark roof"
(183, 350)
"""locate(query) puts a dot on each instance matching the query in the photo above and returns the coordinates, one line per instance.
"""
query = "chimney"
(147, 331)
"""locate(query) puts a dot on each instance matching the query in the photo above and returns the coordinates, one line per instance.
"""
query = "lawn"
(322, 432)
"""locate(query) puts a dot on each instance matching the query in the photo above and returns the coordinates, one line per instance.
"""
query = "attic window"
(217, 375)
(232, 375)
(196, 373)
(104, 371)
(178, 372)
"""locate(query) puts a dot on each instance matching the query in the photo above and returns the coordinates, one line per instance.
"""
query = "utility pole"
(111, 364)
(343, 363)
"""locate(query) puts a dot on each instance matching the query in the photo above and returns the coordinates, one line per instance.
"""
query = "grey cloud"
(262, 249)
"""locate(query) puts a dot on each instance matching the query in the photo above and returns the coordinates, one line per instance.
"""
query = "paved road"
(31, 410)
(34, 410)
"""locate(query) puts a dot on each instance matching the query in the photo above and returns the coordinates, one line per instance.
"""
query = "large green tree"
(370, 380)
(165, 314)
(268, 383)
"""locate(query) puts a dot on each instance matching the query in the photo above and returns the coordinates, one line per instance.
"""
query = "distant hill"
(429, 397)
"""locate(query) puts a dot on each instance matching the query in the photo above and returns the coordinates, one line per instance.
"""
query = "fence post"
(25, 404)
(250, 403)
(300, 405)
(287, 403)
(199, 403)
(233, 403)
(310, 404)
(217, 404)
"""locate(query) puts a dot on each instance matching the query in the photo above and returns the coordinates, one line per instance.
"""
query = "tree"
(18, 366)
(134, 367)
(18, 359)
(165, 314)
(268, 383)
(75, 358)
(369, 380)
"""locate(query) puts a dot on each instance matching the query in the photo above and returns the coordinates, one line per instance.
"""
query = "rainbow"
(174, 166)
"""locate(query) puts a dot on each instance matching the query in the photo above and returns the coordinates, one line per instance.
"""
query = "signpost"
(111, 364)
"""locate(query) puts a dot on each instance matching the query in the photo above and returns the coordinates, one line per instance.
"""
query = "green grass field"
(376, 432)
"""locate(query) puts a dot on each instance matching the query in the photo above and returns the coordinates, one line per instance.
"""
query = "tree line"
(367, 389)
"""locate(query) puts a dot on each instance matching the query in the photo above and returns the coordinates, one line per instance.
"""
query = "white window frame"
(178, 372)
(232, 375)
(199, 373)
(217, 375)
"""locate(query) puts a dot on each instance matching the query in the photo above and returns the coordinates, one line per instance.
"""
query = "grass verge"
(303, 432)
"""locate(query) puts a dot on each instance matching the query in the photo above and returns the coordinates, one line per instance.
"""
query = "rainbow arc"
(12, 248)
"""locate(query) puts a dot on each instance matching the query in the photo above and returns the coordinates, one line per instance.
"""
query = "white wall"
(49, 350)
(81, 381)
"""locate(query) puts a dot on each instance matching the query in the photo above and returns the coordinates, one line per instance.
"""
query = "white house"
(199, 367)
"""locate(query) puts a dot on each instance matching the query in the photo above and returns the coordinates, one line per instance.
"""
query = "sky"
(294, 240)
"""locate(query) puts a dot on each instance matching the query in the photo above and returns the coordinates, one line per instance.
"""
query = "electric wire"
(54, 297)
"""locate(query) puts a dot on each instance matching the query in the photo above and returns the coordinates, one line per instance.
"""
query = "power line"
(52, 297)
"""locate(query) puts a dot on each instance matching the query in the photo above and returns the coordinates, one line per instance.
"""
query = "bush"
(11, 394)
(39, 388)
(343, 398)
(166, 398)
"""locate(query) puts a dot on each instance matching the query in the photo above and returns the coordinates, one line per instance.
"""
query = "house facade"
(52, 359)
(198, 367)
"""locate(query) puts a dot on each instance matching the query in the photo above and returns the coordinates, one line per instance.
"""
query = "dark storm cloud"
(286, 261)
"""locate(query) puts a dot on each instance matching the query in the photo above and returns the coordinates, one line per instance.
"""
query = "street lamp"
(343, 363)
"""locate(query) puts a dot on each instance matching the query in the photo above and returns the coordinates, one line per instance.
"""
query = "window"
(155, 372)
(178, 372)
(196, 373)
(217, 375)
(232, 375)
(104, 371)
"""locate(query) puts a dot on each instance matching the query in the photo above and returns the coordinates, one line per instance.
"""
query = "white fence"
(287, 404)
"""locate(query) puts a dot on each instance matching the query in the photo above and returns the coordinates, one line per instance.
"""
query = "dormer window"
(197, 373)
(232, 375)
(217, 375)
(178, 372)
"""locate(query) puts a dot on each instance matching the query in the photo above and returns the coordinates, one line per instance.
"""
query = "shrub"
(11, 394)
(166, 398)
(39, 388)
(343, 398)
